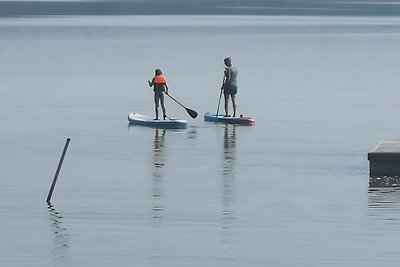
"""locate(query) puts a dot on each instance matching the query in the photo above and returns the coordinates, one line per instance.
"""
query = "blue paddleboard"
(229, 120)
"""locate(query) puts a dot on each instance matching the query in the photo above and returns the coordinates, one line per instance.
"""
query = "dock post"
(58, 170)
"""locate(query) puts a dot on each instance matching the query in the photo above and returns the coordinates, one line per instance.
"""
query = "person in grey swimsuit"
(229, 85)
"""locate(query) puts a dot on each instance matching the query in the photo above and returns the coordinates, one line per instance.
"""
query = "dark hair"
(158, 72)
(228, 59)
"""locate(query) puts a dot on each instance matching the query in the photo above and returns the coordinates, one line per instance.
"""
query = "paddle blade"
(192, 113)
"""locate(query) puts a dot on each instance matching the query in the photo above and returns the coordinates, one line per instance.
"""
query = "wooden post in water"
(58, 170)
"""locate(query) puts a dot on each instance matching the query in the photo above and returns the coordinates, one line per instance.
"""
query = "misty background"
(200, 7)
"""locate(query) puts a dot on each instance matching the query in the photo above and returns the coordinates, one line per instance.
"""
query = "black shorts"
(230, 89)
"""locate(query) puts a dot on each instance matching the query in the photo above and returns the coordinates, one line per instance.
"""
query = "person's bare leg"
(233, 97)
(226, 97)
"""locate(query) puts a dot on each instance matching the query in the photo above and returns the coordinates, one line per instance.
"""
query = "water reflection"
(228, 176)
(384, 205)
(158, 164)
(192, 132)
(229, 149)
(61, 237)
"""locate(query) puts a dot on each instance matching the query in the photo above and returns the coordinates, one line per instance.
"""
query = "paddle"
(219, 102)
(191, 112)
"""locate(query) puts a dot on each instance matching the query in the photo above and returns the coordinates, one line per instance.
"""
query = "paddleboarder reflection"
(229, 149)
(228, 176)
(61, 236)
(158, 164)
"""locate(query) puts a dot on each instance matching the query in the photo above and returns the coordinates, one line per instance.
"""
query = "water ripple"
(61, 240)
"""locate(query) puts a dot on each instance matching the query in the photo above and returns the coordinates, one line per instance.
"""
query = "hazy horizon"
(199, 7)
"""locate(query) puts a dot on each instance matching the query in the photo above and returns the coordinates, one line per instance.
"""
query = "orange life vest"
(159, 79)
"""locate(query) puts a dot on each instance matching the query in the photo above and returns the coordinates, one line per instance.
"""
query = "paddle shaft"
(176, 101)
(220, 95)
(219, 102)
(191, 112)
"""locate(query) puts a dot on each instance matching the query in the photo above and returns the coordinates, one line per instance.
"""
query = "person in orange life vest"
(160, 86)
(229, 85)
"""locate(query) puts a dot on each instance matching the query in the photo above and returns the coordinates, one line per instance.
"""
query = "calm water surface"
(290, 191)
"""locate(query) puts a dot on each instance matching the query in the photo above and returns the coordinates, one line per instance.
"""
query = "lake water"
(290, 191)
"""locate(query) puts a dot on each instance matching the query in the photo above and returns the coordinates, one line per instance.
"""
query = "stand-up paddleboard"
(138, 119)
(229, 120)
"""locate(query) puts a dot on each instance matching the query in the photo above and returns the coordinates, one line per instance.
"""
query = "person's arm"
(227, 75)
(151, 83)
(166, 88)
(228, 78)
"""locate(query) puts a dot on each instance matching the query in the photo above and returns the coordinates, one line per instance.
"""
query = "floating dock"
(384, 159)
